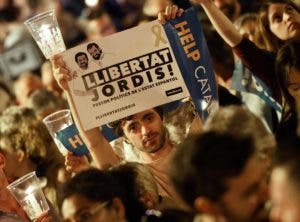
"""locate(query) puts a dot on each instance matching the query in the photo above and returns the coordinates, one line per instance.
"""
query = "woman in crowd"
(279, 21)
(288, 74)
(28, 146)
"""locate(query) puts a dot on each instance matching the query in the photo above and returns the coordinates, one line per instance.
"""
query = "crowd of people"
(242, 164)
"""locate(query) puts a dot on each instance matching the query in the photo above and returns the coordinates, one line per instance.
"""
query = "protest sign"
(137, 69)
(22, 57)
(192, 55)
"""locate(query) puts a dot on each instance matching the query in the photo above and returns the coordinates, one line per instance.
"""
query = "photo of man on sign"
(94, 50)
(82, 60)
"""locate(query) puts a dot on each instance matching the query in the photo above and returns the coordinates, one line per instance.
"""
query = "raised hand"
(76, 164)
(61, 73)
(171, 12)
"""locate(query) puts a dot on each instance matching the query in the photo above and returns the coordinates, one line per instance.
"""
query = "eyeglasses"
(87, 215)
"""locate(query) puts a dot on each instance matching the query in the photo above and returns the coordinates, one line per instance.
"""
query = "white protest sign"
(131, 71)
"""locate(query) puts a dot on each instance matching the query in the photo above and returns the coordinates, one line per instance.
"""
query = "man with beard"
(94, 50)
(82, 60)
(144, 139)
(222, 176)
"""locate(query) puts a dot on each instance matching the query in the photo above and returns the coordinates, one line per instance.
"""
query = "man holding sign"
(144, 130)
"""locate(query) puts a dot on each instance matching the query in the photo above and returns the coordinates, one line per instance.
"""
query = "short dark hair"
(80, 54)
(90, 45)
(117, 126)
(104, 185)
(204, 163)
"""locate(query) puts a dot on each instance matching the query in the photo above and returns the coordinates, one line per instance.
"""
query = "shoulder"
(246, 46)
(124, 150)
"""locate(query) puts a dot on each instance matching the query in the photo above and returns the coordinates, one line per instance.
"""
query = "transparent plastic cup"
(58, 121)
(46, 33)
(27, 191)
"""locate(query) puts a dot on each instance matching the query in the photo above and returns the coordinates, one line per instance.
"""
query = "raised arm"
(221, 23)
(99, 147)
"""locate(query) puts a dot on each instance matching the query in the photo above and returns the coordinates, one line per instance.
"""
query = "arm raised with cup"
(99, 147)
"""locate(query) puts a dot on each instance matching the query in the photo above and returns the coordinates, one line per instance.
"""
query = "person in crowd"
(288, 77)
(247, 26)
(238, 120)
(7, 97)
(28, 146)
(145, 184)
(95, 195)
(145, 131)
(243, 78)
(125, 14)
(152, 7)
(144, 180)
(231, 8)
(71, 30)
(10, 210)
(9, 12)
(45, 102)
(222, 176)
(284, 183)
(20, 142)
(278, 22)
(48, 79)
(99, 24)
(25, 85)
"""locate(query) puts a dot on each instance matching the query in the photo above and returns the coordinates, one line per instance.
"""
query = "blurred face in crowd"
(294, 83)
(95, 52)
(231, 8)
(101, 27)
(16, 164)
(145, 131)
(245, 198)
(105, 25)
(284, 21)
(248, 29)
(5, 100)
(79, 209)
(285, 197)
(14, 170)
(48, 79)
(25, 86)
